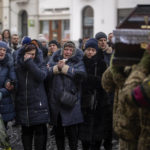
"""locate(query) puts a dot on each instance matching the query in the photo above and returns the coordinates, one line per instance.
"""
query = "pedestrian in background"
(32, 111)
(109, 42)
(6, 37)
(104, 47)
(15, 42)
(53, 46)
(107, 53)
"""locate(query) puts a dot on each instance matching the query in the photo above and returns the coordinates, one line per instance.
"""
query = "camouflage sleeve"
(135, 78)
(135, 88)
(118, 74)
(107, 81)
(141, 94)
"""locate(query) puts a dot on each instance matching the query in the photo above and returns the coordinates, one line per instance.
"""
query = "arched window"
(23, 21)
(87, 22)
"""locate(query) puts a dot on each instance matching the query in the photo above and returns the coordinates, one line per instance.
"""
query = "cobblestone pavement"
(15, 140)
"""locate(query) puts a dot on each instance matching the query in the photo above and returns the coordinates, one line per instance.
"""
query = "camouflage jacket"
(130, 122)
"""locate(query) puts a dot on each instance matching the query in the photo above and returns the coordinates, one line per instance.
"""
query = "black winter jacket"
(31, 100)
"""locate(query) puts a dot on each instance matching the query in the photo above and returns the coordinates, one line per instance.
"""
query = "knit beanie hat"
(53, 42)
(93, 43)
(42, 39)
(69, 44)
(3, 45)
(100, 35)
(26, 40)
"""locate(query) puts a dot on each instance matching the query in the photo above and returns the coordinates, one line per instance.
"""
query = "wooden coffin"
(131, 36)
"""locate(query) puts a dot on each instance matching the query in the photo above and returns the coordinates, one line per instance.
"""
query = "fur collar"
(38, 58)
(74, 59)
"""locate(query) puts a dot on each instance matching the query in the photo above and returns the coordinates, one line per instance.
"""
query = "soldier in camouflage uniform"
(131, 114)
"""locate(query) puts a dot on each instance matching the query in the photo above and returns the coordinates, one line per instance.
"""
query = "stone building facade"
(65, 19)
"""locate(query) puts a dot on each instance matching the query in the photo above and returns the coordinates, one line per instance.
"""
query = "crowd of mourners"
(74, 89)
(58, 84)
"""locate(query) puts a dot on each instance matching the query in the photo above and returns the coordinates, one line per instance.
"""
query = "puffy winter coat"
(6, 72)
(66, 80)
(97, 118)
(31, 99)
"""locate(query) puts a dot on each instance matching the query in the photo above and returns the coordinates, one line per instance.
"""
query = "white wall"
(105, 16)
(50, 4)
(76, 16)
(6, 14)
(32, 15)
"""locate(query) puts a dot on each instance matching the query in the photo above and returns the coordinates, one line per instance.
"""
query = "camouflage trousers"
(124, 145)
(142, 144)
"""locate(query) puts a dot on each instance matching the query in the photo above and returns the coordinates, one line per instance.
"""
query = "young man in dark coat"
(32, 111)
(65, 66)
(94, 102)
(104, 47)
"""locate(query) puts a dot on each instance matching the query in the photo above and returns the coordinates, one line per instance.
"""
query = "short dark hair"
(30, 47)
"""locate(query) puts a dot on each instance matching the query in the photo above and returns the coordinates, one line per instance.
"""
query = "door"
(55, 30)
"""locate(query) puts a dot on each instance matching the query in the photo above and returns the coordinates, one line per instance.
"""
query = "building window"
(55, 29)
(87, 22)
(44, 29)
(65, 29)
(24, 23)
(123, 13)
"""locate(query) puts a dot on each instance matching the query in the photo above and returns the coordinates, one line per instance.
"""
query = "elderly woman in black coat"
(94, 101)
(66, 67)
(32, 111)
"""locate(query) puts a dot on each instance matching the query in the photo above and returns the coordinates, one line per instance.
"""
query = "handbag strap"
(94, 104)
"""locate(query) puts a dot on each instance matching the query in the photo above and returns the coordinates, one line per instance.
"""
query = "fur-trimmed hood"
(7, 61)
(38, 58)
(58, 56)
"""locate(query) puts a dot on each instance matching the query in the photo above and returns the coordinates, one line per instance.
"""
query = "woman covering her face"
(32, 111)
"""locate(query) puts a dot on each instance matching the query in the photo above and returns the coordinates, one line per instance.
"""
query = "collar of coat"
(77, 57)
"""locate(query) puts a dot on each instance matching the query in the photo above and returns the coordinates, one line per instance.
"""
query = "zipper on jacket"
(27, 98)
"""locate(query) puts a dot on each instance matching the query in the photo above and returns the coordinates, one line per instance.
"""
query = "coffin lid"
(139, 18)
